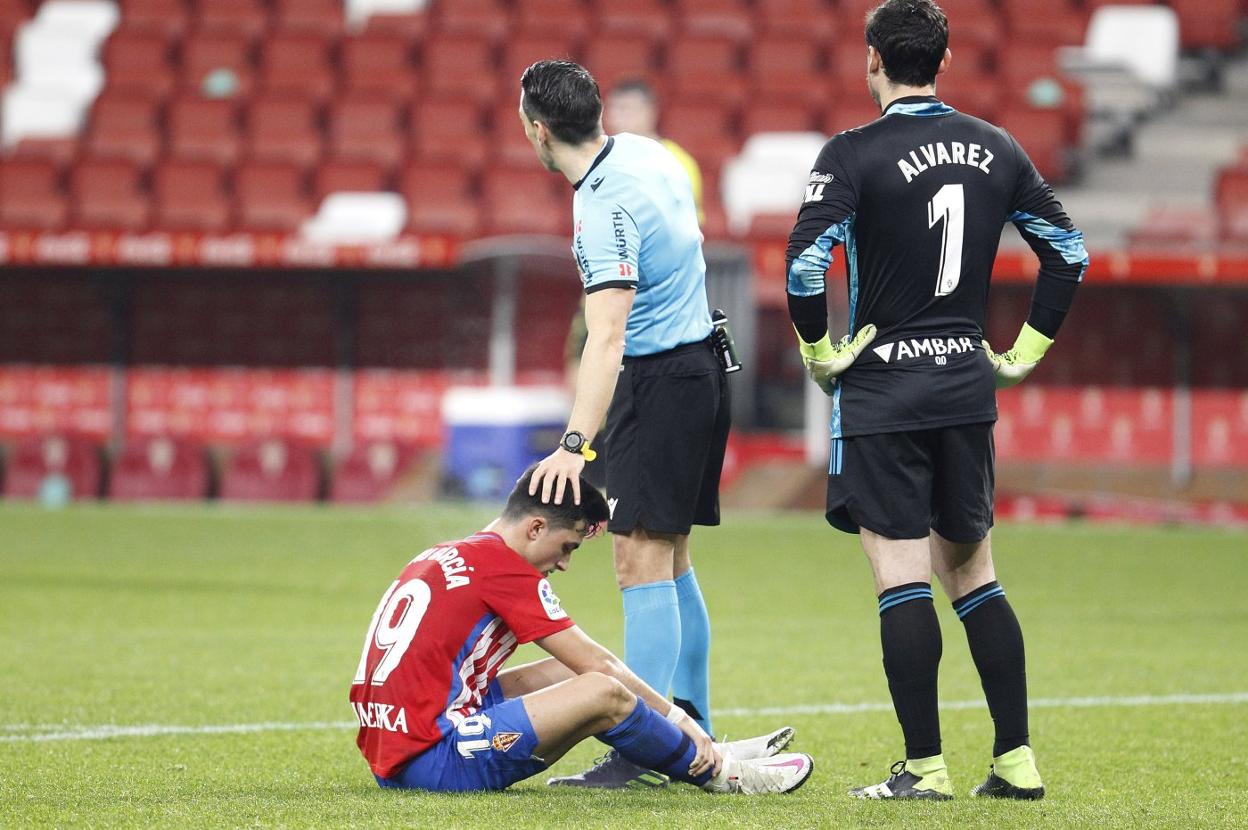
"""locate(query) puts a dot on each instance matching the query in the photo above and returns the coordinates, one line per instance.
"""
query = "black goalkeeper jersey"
(918, 198)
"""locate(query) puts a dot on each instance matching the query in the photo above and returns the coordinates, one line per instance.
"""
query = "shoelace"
(897, 769)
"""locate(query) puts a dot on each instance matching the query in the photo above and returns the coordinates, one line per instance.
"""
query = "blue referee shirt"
(636, 226)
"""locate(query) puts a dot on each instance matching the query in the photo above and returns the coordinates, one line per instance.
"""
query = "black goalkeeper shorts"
(901, 485)
(667, 430)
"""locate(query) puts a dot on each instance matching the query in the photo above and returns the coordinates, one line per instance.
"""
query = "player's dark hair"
(911, 37)
(564, 97)
(592, 509)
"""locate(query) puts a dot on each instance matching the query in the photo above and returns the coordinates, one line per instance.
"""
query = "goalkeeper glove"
(1012, 366)
(826, 360)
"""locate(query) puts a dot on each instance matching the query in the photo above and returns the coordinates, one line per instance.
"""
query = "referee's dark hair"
(592, 509)
(911, 37)
(564, 97)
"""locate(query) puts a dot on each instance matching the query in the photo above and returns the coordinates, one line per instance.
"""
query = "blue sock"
(652, 633)
(691, 685)
(649, 740)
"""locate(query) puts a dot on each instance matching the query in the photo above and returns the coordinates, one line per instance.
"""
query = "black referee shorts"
(667, 429)
(901, 485)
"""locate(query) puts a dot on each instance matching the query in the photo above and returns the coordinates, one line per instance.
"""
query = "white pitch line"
(89, 733)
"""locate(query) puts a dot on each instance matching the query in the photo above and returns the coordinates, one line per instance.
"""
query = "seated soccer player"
(436, 713)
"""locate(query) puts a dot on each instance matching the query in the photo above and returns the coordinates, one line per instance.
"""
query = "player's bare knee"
(614, 698)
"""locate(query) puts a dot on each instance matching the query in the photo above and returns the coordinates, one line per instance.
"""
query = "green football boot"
(1013, 775)
(918, 778)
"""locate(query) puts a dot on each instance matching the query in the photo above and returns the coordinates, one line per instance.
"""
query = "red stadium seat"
(210, 54)
(203, 129)
(852, 111)
(108, 193)
(776, 116)
(439, 199)
(976, 95)
(449, 130)
(12, 15)
(708, 68)
(976, 24)
(271, 196)
(247, 17)
(650, 19)
(324, 17)
(31, 195)
(368, 473)
(413, 27)
(566, 19)
(1062, 24)
(350, 175)
(168, 17)
(1231, 198)
(721, 18)
(483, 19)
(159, 469)
(379, 62)
(283, 129)
(781, 68)
(125, 126)
(39, 463)
(59, 151)
(297, 63)
(1209, 24)
(1220, 428)
(460, 66)
(508, 142)
(270, 471)
(367, 127)
(614, 59)
(813, 20)
(190, 195)
(137, 60)
(705, 130)
(1169, 228)
(523, 200)
(1041, 133)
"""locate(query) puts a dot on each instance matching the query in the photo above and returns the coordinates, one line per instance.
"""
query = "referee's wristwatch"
(577, 444)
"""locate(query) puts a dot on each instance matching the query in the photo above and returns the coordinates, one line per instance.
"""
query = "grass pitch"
(189, 667)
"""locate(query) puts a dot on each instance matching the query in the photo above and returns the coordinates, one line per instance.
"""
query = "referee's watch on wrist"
(577, 444)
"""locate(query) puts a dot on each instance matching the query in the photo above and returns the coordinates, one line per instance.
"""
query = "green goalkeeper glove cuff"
(825, 360)
(1012, 366)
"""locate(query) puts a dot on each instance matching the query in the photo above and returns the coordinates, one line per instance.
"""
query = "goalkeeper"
(918, 198)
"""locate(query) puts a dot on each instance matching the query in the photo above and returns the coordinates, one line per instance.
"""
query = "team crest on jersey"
(554, 608)
(504, 741)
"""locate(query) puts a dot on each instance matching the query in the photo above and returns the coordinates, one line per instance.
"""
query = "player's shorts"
(667, 430)
(491, 750)
(902, 485)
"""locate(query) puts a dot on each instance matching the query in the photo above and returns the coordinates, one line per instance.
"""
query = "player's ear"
(874, 62)
(944, 63)
(536, 525)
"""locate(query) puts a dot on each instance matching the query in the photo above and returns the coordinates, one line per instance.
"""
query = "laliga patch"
(503, 741)
(554, 608)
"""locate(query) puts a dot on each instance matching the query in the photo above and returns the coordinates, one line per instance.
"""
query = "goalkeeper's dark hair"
(911, 37)
(564, 97)
(592, 509)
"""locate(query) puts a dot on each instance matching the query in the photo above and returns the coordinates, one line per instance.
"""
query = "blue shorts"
(491, 750)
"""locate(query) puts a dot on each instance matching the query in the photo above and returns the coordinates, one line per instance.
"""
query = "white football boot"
(777, 774)
(764, 746)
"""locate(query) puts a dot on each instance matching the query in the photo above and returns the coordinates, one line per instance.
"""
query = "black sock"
(910, 635)
(996, 642)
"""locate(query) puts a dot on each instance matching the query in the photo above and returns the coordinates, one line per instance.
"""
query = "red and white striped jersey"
(438, 638)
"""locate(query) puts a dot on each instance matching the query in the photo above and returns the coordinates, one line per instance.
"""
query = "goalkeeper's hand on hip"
(1012, 366)
(825, 360)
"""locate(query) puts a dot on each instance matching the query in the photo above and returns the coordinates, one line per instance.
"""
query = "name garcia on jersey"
(928, 156)
(454, 569)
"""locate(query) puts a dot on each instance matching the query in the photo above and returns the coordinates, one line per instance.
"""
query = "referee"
(918, 198)
(649, 368)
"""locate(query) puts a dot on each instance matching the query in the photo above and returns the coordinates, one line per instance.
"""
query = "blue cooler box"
(493, 433)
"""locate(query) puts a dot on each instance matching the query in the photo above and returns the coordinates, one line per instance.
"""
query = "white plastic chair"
(769, 176)
(358, 11)
(357, 218)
